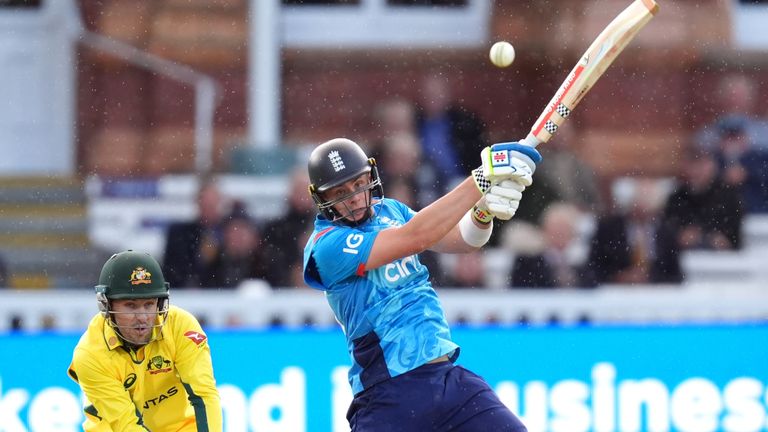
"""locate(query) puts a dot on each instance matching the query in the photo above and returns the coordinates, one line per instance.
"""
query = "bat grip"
(530, 140)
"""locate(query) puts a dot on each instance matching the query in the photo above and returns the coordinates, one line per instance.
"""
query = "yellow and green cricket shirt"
(166, 385)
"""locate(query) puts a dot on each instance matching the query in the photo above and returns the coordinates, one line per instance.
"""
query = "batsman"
(364, 253)
(142, 364)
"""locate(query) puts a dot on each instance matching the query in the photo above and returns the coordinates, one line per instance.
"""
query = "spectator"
(282, 235)
(240, 256)
(633, 246)
(401, 161)
(564, 177)
(551, 257)
(4, 282)
(571, 179)
(737, 94)
(450, 134)
(467, 271)
(744, 166)
(706, 212)
(392, 117)
(192, 246)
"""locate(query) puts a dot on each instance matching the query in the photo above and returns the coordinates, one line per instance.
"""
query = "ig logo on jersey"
(353, 242)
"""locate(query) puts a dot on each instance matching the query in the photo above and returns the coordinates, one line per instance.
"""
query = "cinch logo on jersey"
(401, 268)
(158, 364)
(140, 275)
(195, 337)
(156, 401)
(336, 161)
(500, 158)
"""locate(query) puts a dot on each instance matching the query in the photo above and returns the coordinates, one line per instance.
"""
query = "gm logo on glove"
(500, 158)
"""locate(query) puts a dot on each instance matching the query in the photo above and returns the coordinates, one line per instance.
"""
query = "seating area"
(134, 214)
(747, 266)
(45, 240)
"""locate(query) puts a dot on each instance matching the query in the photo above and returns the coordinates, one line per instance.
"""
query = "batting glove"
(503, 199)
(505, 161)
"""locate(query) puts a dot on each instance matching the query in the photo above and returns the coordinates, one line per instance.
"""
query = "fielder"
(364, 254)
(142, 364)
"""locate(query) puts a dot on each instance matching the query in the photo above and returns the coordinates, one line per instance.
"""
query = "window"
(748, 22)
(385, 23)
(20, 3)
(320, 2)
(427, 2)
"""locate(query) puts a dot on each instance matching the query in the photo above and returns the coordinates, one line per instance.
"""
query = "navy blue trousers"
(434, 397)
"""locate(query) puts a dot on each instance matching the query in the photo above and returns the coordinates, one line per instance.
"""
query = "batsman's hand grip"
(530, 141)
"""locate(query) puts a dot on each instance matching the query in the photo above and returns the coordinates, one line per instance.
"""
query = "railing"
(257, 306)
(207, 90)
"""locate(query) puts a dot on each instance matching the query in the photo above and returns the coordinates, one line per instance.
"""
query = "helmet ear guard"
(102, 300)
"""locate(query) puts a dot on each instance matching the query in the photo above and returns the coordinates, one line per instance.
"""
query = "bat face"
(600, 54)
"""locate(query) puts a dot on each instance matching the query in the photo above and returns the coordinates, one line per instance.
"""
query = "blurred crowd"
(566, 232)
(570, 231)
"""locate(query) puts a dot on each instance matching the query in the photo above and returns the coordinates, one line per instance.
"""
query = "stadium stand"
(44, 233)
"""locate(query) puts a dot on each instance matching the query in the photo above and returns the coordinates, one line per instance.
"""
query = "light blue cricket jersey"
(391, 316)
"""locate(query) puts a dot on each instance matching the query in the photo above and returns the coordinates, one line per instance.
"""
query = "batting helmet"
(131, 275)
(336, 162)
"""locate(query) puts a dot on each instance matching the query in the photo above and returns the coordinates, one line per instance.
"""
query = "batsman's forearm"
(436, 220)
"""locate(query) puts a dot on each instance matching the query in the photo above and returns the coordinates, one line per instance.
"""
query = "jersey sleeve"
(195, 368)
(404, 210)
(339, 254)
(108, 399)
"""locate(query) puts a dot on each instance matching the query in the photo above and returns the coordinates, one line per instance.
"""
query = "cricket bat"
(600, 54)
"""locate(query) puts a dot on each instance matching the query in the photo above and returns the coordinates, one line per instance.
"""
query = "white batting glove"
(506, 161)
(503, 199)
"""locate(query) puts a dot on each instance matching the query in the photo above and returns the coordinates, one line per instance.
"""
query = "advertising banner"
(606, 378)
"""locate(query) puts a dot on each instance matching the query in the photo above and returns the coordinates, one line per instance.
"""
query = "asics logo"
(336, 161)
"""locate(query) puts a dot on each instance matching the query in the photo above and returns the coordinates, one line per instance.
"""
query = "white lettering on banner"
(55, 409)
(694, 405)
(353, 242)
(603, 397)
(11, 404)
(742, 403)
(341, 397)
(604, 404)
(289, 397)
(649, 393)
(568, 399)
(234, 406)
